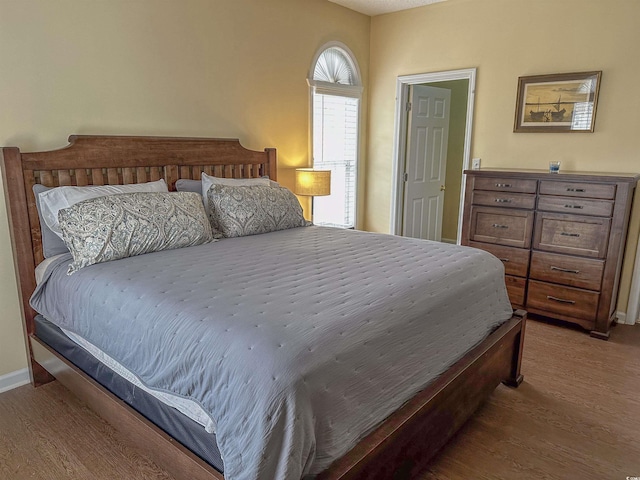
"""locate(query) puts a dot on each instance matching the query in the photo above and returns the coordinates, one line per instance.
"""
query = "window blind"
(335, 148)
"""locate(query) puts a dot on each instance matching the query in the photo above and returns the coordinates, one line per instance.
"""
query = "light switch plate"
(475, 164)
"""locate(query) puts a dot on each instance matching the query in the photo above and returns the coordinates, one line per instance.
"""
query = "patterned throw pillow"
(119, 226)
(237, 211)
(55, 199)
(208, 180)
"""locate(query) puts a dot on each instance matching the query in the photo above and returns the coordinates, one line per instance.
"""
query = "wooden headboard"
(110, 160)
(402, 444)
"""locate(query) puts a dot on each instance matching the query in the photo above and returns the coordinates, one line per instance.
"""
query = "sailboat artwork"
(549, 105)
(558, 115)
(548, 115)
(568, 104)
(538, 116)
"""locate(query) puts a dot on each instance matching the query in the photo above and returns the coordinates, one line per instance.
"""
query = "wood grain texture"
(518, 185)
(571, 234)
(516, 260)
(505, 200)
(603, 208)
(115, 160)
(562, 301)
(405, 440)
(502, 226)
(577, 189)
(134, 428)
(578, 215)
(411, 436)
(568, 270)
(46, 433)
(569, 419)
(100, 160)
(516, 289)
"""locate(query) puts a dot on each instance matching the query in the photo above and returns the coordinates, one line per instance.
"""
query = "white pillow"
(208, 180)
(54, 200)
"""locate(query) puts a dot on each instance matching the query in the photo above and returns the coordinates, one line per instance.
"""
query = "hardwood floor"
(47, 434)
(576, 416)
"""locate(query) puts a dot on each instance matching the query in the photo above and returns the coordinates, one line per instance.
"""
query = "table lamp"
(312, 183)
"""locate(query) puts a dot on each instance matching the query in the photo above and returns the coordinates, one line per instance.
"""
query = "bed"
(397, 447)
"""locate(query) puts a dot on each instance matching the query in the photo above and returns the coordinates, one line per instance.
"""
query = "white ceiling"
(378, 7)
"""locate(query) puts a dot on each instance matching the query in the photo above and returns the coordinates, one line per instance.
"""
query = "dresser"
(560, 236)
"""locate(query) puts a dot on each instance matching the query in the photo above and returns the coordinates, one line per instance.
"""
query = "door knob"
(442, 188)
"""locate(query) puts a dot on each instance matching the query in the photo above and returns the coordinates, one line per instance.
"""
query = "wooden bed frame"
(399, 448)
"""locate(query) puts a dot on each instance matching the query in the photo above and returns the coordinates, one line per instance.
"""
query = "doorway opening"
(461, 83)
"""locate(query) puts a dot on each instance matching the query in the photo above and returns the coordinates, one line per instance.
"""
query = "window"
(335, 113)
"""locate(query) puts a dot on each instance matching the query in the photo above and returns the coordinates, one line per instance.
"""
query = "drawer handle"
(574, 206)
(576, 190)
(505, 260)
(570, 234)
(565, 270)
(503, 185)
(503, 200)
(497, 225)
(561, 300)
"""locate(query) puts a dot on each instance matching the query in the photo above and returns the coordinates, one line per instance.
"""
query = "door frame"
(633, 305)
(400, 137)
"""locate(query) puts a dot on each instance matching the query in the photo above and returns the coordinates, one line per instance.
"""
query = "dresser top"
(562, 175)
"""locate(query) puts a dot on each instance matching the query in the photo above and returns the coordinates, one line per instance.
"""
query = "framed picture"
(565, 102)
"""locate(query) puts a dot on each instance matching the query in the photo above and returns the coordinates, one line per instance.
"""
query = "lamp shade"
(313, 182)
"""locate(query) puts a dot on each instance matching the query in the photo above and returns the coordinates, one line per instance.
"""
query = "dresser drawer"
(569, 268)
(515, 260)
(576, 189)
(601, 208)
(504, 199)
(572, 271)
(515, 289)
(572, 234)
(503, 226)
(505, 184)
(572, 302)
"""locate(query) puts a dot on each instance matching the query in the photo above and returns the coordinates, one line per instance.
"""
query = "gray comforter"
(297, 342)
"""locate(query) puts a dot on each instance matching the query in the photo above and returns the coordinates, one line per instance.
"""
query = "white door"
(426, 162)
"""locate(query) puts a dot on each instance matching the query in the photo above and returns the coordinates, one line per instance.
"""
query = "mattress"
(184, 429)
(296, 343)
(186, 406)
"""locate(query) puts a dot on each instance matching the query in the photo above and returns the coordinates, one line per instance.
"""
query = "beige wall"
(164, 67)
(506, 39)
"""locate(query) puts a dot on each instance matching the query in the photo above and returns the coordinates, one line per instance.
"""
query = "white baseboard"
(622, 319)
(14, 380)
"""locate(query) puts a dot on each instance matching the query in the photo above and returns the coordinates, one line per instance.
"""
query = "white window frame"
(336, 89)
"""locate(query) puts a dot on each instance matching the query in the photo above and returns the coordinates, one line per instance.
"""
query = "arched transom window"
(336, 90)
(333, 66)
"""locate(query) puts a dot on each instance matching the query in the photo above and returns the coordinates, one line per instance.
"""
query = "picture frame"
(564, 102)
